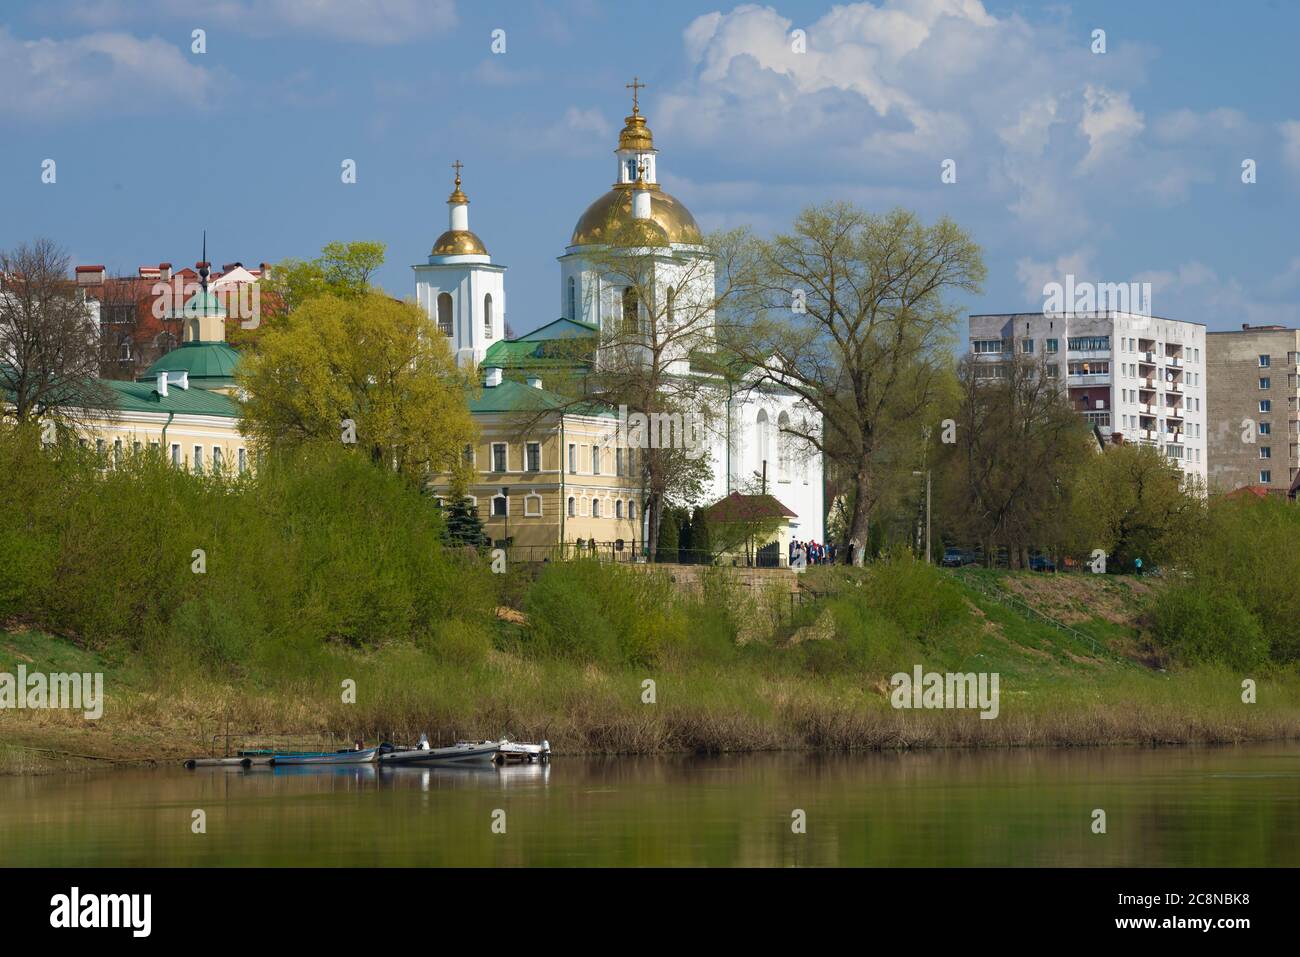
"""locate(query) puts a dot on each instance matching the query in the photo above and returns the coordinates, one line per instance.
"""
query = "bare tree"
(49, 345)
(656, 349)
(849, 312)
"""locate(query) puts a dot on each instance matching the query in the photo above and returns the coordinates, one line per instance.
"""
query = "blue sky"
(1116, 167)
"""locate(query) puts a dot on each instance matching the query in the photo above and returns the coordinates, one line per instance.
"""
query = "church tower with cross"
(460, 287)
(636, 258)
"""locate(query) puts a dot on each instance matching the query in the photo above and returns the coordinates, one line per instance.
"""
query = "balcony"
(1174, 362)
(1092, 378)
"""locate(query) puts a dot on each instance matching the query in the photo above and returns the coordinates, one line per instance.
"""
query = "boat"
(485, 752)
(518, 752)
(344, 756)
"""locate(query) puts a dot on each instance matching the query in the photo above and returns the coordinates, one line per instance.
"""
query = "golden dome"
(458, 242)
(636, 135)
(611, 213)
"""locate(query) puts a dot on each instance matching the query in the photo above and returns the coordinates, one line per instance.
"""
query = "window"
(1090, 367)
(500, 506)
(243, 461)
(1265, 476)
(1265, 382)
(573, 299)
(533, 505)
(595, 460)
(1053, 371)
(198, 459)
(1089, 343)
(176, 453)
(217, 458)
(761, 437)
(618, 508)
(631, 310)
(487, 316)
(117, 451)
(444, 315)
(1027, 346)
(498, 456)
(631, 509)
(983, 347)
(573, 506)
(618, 461)
(573, 459)
(1265, 452)
(1266, 428)
(595, 508)
(1053, 346)
(1265, 361)
(672, 306)
(468, 455)
(534, 454)
(1266, 405)
(783, 447)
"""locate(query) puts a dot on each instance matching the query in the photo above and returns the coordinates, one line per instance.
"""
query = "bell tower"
(460, 287)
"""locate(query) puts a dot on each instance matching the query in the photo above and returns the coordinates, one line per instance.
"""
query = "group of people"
(814, 553)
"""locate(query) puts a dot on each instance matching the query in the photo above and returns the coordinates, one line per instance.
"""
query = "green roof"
(208, 363)
(512, 396)
(554, 345)
(141, 397)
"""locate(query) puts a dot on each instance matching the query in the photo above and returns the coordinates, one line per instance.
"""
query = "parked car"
(1041, 563)
(952, 558)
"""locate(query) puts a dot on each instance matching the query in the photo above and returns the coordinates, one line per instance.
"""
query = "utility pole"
(926, 473)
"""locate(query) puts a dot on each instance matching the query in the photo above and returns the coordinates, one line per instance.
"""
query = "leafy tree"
(1133, 502)
(850, 312)
(668, 542)
(701, 537)
(368, 359)
(1007, 478)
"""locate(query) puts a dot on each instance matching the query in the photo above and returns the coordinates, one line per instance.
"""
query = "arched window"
(124, 349)
(595, 508)
(487, 316)
(194, 330)
(573, 507)
(444, 314)
(631, 509)
(573, 299)
(618, 508)
(631, 310)
(761, 439)
(672, 308)
(783, 447)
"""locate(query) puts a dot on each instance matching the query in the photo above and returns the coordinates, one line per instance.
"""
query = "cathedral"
(636, 261)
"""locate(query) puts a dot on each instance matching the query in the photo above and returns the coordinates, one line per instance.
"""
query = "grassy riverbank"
(814, 684)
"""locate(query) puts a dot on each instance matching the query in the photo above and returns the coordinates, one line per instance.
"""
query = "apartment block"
(1135, 378)
(1253, 407)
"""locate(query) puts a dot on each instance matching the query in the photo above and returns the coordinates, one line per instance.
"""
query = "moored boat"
(346, 756)
(487, 752)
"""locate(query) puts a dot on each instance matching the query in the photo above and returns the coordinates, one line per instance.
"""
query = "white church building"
(633, 221)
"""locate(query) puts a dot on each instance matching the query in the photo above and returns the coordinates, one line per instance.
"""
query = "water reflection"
(1170, 807)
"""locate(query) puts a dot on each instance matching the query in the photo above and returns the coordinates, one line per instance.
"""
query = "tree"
(49, 345)
(850, 312)
(463, 526)
(343, 269)
(1007, 478)
(1133, 502)
(750, 519)
(372, 360)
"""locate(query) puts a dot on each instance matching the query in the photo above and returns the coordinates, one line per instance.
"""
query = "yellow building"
(547, 474)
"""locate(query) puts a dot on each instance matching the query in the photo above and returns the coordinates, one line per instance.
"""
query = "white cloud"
(98, 71)
(1109, 122)
(376, 22)
(1035, 274)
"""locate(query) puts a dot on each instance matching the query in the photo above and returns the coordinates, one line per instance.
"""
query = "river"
(1164, 807)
